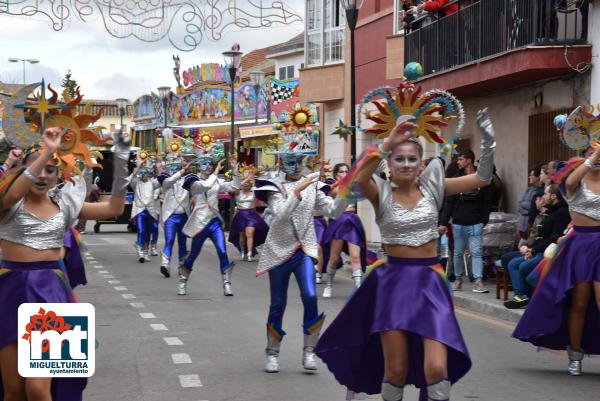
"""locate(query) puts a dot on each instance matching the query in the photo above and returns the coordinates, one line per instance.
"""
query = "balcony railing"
(490, 27)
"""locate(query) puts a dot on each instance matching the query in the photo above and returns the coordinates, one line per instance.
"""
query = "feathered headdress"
(430, 111)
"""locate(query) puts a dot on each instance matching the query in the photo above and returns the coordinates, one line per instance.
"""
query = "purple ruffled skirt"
(348, 228)
(248, 218)
(403, 294)
(320, 227)
(43, 282)
(545, 322)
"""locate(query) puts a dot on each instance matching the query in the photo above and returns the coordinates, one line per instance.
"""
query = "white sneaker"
(249, 257)
(272, 364)
(318, 278)
(147, 257)
(153, 250)
(327, 292)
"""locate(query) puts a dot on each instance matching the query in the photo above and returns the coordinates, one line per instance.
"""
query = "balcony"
(492, 44)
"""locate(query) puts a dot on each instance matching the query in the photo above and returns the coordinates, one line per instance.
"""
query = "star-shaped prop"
(42, 107)
(343, 131)
(449, 149)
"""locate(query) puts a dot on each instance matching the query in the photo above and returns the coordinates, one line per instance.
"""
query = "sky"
(107, 67)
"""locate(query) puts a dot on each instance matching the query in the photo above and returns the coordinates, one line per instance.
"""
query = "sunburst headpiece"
(429, 111)
(213, 151)
(23, 128)
(580, 129)
(300, 117)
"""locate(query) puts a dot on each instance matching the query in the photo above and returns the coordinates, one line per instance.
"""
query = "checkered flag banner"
(282, 91)
(158, 108)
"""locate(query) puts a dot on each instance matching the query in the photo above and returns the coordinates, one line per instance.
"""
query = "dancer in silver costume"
(205, 220)
(145, 209)
(291, 246)
(175, 210)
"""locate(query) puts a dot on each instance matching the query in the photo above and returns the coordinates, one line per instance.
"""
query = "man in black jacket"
(469, 211)
(554, 224)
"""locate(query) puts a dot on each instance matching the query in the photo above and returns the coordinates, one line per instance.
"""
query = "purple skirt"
(348, 228)
(545, 322)
(320, 227)
(248, 218)
(44, 282)
(403, 294)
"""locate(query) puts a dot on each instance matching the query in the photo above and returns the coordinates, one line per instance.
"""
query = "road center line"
(173, 341)
(159, 327)
(179, 359)
(190, 381)
(147, 316)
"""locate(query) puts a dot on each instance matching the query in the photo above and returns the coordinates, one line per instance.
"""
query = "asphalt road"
(155, 345)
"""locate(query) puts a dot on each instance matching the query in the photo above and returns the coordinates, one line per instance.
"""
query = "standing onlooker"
(470, 212)
(497, 188)
(524, 204)
(539, 191)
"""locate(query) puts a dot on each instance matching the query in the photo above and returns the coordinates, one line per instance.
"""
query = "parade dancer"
(564, 312)
(175, 210)
(291, 246)
(248, 230)
(33, 224)
(155, 224)
(205, 220)
(399, 327)
(145, 210)
(347, 234)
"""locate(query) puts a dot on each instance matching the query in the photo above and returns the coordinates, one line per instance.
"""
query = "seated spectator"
(544, 180)
(525, 202)
(439, 6)
(550, 230)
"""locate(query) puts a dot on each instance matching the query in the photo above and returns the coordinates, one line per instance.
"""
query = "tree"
(69, 85)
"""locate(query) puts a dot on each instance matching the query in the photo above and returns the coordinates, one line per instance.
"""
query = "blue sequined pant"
(214, 231)
(174, 228)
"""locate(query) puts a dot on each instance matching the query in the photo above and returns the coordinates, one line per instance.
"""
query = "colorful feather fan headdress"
(24, 120)
(429, 111)
(579, 129)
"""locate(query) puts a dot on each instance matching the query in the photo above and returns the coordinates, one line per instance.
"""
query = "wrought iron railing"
(490, 27)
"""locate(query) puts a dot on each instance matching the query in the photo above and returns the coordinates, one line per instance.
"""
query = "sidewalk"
(486, 304)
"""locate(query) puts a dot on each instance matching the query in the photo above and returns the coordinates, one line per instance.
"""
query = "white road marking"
(114, 282)
(159, 327)
(147, 316)
(128, 296)
(121, 288)
(137, 305)
(108, 276)
(103, 272)
(173, 341)
(98, 267)
(190, 381)
(179, 359)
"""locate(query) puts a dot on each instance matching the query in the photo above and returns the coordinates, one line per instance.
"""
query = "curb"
(493, 308)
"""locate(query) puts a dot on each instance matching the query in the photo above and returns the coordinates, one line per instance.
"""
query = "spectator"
(439, 6)
(538, 193)
(470, 212)
(524, 204)
(410, 13)
(497, 188)
(551, 169)
(551, 229)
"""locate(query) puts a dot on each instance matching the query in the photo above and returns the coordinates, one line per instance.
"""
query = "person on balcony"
(438, 6)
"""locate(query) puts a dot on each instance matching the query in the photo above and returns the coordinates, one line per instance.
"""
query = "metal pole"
(256, 90)
(351, 17)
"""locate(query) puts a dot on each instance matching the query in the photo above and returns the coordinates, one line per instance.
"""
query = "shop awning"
(257, 131)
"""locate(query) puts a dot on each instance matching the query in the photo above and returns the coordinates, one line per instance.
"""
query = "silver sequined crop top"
(585, 202)
(412, 227)
(22, 227)
(245, 201)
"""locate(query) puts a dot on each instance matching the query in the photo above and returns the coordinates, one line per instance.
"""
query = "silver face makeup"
(405, 162)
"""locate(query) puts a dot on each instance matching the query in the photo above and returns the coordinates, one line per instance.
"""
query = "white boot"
(227, 290)
(147, 257)
(140, 253)
(328, 291)
(165, 265)
(439, 391)
(309, 358)
(272, 354)
(391, 392)
(249, 257)
(357, 277)
(575, 359)
(153, 250)
(318, 278)
(182, 282)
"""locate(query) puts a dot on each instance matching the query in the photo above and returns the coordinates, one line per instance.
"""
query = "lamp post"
(163, 92)
(233, 59)
(30, 61)
(122, 106)
(258, 79)
(352, 7)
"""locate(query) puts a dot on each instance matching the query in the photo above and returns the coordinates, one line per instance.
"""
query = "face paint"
(291, 164)
(405, 161)
(174, 167)
(205, 165)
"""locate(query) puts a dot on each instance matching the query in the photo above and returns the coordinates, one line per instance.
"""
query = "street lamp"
(29, 60)
(258, 79)
(163, 92)
(352, 7)
(122, 106)
(233, 58)
(232, 62)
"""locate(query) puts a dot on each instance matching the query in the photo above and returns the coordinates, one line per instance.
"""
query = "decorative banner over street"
(184, 22)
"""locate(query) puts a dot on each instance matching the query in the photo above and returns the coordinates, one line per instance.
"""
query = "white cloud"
(107, 67)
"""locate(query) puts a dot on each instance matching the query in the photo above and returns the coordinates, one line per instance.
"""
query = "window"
(286, 72)
(325, 23)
